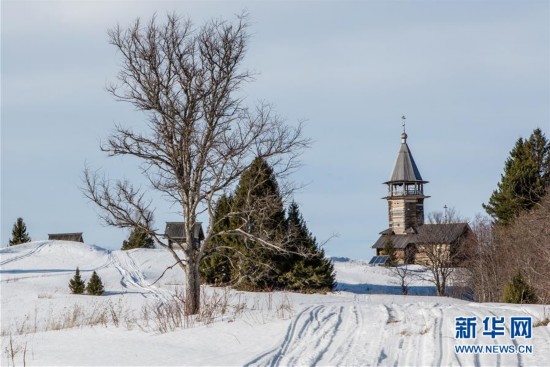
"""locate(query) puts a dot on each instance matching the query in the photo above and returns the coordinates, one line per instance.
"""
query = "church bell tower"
(405, 192)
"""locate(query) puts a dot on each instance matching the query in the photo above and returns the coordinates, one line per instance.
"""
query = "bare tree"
(403, 276)
(485, 265)
(200, 136)
(442, 246)
(524, 246)
(521, 246)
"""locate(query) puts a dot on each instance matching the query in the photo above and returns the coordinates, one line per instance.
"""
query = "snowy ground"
(366, 322)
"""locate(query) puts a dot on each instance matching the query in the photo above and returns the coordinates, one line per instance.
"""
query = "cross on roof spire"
(403, 134)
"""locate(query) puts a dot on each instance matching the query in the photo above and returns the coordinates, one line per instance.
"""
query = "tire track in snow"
(307, 339)
(390, 320)
(419, 332)
(437, 312)
(480, 315)
(515, 342)
(345, 343)
(370, 348)
(424, 329)
(61, 272)
(275, 354)
(447, 359)
(132, 276)
(25, 254)
(395, 352)
(406, 344)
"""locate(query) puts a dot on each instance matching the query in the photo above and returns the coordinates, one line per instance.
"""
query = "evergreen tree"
(525, 179)
(256, 267)
(19, 233)
(518, 291)
(215, 266)
(95, 285)
(311, 272)
(138, 239)
(76, 284)
(389, 249)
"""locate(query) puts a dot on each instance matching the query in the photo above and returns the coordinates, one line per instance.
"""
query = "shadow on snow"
(367, 288)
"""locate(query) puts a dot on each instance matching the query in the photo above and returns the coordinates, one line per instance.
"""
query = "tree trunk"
(193, 288)
(441, 288)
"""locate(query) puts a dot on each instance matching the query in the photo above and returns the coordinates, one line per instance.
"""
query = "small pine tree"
(76, 284)
(19, 233)
(518, 291)
(138, 239)
(389, 249)
(95, 286)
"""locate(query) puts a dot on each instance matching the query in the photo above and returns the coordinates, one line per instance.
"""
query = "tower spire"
(405, 190)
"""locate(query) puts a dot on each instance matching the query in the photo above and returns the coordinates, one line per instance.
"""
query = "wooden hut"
(175, 233)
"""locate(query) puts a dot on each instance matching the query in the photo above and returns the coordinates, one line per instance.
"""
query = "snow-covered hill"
(366, 322)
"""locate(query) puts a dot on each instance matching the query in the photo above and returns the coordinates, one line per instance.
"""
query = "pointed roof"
(405, 169)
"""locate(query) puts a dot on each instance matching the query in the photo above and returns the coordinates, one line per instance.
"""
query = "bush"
(95, 286)
(389, 249)
(138, 239)
(518, 291)
(76, 285)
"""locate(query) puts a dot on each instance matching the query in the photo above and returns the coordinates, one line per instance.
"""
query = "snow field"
(357, 325)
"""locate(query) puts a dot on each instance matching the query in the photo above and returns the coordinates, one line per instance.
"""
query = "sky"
(471, 77)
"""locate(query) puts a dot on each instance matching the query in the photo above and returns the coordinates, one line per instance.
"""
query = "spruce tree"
(138, 239)
(95, 285)
(257, 267)
(215, 266)
(518, 291)
(76, 284)
(389, 249)
(19, 233)
(525, 179)
(311, 270)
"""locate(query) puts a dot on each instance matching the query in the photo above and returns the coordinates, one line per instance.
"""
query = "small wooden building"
(175, 233)
(75, 237)
(413, 246)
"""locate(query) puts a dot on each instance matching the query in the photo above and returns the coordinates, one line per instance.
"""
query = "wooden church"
(412, 239)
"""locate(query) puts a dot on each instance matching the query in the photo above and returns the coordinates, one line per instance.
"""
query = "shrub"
(138, 239)
(95, 286)
(518, 291)
(76, 284)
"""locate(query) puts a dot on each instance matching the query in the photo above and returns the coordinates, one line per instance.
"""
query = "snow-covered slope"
(366, 322)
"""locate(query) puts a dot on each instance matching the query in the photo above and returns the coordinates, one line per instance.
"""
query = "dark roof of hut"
(175, 231)
(76, 237)
(425, 234)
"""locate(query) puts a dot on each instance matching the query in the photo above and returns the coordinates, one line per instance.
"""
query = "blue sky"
(470, 76)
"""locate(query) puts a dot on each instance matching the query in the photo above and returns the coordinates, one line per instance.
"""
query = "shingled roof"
(76, 237)
(425, 234)
(405, 169)
(175, 231)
